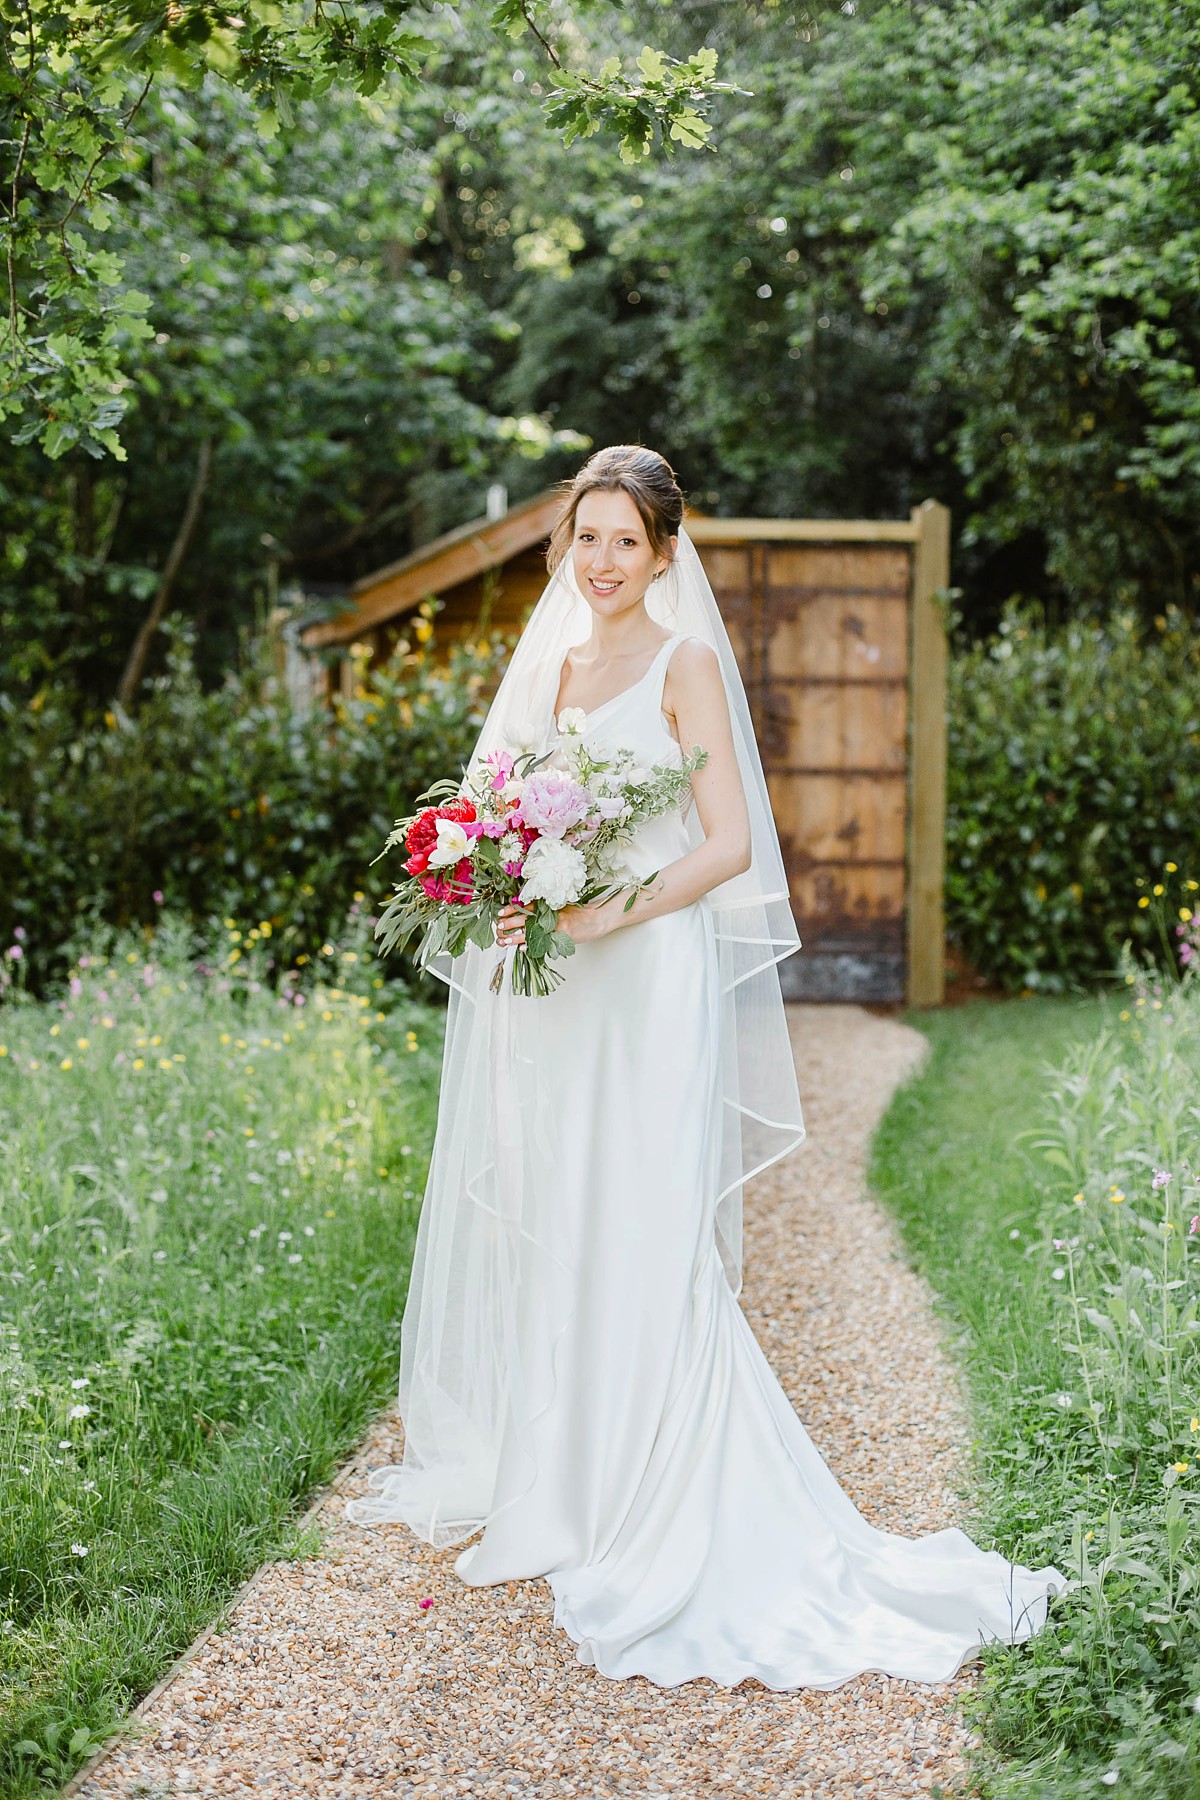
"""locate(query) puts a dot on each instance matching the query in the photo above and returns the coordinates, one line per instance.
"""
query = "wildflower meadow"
(208, 1190)
(1045, 1169)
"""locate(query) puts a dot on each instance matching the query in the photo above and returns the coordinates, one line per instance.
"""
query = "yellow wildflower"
(81, 1043)
(1116, 1196)
(1181, 1468)
(65, 1063)
(139, 1062)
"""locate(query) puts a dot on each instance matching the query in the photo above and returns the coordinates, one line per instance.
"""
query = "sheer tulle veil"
(473, 1379)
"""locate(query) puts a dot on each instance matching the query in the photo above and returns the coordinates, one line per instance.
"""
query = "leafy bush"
(223, 804)
(1074, 767)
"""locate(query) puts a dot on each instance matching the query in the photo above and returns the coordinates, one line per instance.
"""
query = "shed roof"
(482, 544)
(456, 556)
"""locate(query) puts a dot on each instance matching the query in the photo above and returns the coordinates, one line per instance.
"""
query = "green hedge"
(222, 804)
(1074, 780)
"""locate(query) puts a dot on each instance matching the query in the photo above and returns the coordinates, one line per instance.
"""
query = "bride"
(581, 1393)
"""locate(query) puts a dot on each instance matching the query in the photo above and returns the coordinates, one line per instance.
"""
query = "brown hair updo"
(644, 475)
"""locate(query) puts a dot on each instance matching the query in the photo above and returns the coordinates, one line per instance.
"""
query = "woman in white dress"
(581, 1393)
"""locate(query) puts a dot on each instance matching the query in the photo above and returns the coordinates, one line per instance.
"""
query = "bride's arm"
(702, 716)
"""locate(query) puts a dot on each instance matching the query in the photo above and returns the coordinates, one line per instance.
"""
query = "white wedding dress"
(648, 1464)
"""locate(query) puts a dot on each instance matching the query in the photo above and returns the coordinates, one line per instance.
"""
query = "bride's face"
(613, 559)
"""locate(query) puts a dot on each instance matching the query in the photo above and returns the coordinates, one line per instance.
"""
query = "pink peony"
(551, 802)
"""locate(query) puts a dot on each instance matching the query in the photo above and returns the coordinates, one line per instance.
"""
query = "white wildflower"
(79, 1412)
(571, 721)
(81, 1381)
(79, 1549)
(295, 1257)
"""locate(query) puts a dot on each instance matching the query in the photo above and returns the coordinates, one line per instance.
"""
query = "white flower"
(453, 844)
(554, 872)
(571, 720)
(79, 1549)
(1060, 1274)
(637, 774)
(524, 737)
(81, 1381)
(295, 1257)
(79, 1412)
(511, 847)
(1111, 1777)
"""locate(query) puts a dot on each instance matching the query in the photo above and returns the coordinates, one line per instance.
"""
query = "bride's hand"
(584, 923)
(510, 925)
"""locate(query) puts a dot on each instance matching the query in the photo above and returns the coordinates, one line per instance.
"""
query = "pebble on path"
(332, 1677)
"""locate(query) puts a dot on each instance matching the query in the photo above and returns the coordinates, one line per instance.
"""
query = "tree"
(74, 78)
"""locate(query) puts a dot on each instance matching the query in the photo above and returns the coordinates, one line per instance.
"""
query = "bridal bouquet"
(520, 830)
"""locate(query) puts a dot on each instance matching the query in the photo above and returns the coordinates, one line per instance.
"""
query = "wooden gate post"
(926, 924)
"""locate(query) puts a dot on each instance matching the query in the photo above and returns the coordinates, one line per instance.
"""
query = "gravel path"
(331, 1677)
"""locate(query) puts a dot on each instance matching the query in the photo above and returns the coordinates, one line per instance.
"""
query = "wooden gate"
(841, 644)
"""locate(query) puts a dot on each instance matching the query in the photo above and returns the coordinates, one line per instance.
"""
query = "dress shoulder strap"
(660, 668)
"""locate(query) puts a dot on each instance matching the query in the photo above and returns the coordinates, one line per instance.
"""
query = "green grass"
(1074, 1312)
(207, 1206)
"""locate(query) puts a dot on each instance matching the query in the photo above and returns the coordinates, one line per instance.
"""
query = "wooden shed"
(841, 641)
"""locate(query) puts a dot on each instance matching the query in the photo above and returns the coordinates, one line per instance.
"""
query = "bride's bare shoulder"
(693, 665)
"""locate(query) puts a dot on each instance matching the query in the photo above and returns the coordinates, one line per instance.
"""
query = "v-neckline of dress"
(590, 712)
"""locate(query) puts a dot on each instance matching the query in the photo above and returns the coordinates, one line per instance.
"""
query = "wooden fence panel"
(823, 632)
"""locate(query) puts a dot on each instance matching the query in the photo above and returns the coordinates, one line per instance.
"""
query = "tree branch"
(131, 679)
(551, 52)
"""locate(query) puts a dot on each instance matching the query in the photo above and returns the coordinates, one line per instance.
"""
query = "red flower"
(421, 836)
(456, 885)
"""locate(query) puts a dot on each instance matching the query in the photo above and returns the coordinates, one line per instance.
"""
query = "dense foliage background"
(942, 250)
